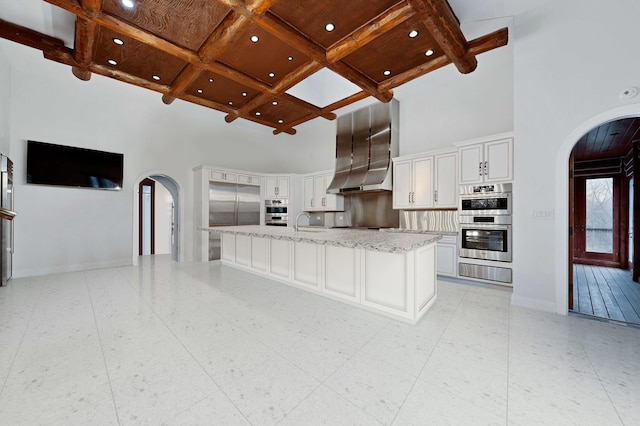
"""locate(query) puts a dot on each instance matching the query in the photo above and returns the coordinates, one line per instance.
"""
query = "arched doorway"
(602, 274)
(168, 214)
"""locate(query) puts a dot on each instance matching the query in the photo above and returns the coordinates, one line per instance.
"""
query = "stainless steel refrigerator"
(6, 218)
(231, 204)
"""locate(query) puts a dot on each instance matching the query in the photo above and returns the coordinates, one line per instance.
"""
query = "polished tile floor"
(203, 344)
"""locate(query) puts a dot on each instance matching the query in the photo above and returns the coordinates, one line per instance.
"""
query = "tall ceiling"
(250, 58)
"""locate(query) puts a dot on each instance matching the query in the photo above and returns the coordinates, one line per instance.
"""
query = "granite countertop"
(418, 231)
(391, 242)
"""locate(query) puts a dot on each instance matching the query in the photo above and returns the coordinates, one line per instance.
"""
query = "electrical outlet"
(543, 214)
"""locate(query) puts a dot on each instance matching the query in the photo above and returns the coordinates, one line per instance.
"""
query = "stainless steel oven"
(485, 237)
(276, 212)
(485, 200)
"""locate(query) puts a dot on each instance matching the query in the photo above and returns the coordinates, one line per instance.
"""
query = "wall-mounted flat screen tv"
(49, 164)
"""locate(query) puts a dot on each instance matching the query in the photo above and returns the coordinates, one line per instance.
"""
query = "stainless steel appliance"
(6, 218)
(366, 141)
(231, 204)
(485, 237)
(485, 234)
(276, 212)
(483, 200)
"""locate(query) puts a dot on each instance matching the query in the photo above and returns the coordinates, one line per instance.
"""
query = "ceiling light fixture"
(280, 121)
(230, 102)
(254, 38)
(118, 41)
(413, 34)
(271, 75)
(329, 27)
(244, 93)
(200, 90)
(290, 58)
(210, 80)
(128, 3)
(386, 72)
(428, 52)
(258, 114)
(112, 62)
(274, 103)
(156, 77)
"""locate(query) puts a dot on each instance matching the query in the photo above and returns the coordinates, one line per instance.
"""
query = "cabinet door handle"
(485, 168)
(480, 171)
(435, 195)
(324, 202)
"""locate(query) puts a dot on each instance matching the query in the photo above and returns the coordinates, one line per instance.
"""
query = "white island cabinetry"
(391, 274)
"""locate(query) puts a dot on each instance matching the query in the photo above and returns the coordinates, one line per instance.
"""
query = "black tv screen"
(49, 164)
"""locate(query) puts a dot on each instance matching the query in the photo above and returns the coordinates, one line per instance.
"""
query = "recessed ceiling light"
(210, 80)
(290, 58)
(254, 38)
(274, 103)
(258, 114)
(429, 52)
(329, 27)
(200, 90)
(230, 102)
(156, 77)
(128, 3)
(112, 62)
(244, 93)
(413, 34)
(118, 41)
(386, 72)
(271, 75)
(280, 121)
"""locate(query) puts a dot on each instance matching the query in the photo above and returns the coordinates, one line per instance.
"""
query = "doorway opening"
(157, 216)
(603, 269)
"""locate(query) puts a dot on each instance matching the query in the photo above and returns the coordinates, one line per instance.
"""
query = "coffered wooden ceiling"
(241, 56)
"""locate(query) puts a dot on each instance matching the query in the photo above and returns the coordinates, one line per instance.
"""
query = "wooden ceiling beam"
(318, 112)
(388, 20)
(28, 37)
(86, 35)
(290, 126)
(445, 29)
(480, 45)
(346, 101)
(295, 39)
(216, 44)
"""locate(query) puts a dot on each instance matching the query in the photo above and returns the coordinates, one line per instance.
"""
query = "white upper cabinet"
(487, 162)
(446, 181)
(413, 183)
(316, 197)
(428, 182)
(276, 187)
(235, 177)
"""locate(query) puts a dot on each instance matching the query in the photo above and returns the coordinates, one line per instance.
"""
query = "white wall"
(5, 99)
(63, 229)
(572, 60)
(162, 222)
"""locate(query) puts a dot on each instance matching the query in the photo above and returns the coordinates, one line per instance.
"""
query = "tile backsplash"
(430, 220)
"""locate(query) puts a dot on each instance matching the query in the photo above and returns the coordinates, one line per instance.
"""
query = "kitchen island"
(393, 274)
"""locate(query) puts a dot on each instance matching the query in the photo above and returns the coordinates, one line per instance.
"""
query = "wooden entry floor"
(606, 293)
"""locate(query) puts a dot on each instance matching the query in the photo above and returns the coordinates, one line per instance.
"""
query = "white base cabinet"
(448, 256)
(398, 285)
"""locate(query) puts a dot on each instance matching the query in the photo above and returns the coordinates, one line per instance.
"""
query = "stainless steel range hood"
(366, 141)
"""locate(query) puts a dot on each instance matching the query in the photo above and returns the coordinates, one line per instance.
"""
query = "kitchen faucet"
(298, 217)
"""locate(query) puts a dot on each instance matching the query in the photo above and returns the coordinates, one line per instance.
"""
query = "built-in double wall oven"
(485, 231)
(276, 212)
